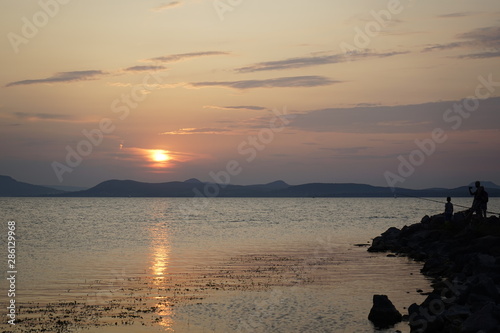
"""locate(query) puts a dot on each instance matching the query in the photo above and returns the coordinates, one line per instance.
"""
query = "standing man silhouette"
(479, 205)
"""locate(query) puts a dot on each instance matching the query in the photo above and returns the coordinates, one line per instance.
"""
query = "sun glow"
(159, 156)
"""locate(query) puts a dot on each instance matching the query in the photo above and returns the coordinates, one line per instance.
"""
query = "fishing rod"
(442, 202)
(427, 199)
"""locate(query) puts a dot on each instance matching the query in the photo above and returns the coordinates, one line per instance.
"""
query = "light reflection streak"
(159, 270)
(166, 312)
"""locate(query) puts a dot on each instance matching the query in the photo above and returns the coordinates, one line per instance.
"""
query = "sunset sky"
(363, 91)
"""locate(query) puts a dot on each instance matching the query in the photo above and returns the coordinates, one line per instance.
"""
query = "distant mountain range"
(195, 188)
(10, 187)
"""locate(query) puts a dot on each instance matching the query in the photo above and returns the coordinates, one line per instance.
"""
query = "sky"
(388, 93)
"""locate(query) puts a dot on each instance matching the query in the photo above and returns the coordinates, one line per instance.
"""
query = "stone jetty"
(463, 259)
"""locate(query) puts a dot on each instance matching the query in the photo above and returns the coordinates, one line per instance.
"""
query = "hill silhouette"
(9, 187)
(196, 188)
(189, 188)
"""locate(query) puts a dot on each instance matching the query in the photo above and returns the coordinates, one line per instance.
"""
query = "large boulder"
(383, 313)
(388, 241)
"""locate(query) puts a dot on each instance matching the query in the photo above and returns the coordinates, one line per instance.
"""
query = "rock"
(389, 240)
(457, 313)
(437, 221)
(484, 320)
(425, 220)
(425, 320)
(392, 232)
(434, 266)
(484, 285)
(383, 313)
(481, 290)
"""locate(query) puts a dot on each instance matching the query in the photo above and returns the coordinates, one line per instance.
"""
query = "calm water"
(64, 244)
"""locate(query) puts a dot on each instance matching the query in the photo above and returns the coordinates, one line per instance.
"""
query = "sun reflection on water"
(160, 260)
(159, 270)
(166, 312)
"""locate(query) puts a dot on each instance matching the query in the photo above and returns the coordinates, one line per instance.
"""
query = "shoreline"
(463, 260)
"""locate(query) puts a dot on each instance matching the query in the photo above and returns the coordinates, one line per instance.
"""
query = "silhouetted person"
(448, 210)
(479, 205)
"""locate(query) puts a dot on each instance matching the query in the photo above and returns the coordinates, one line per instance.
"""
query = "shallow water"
(229, 264)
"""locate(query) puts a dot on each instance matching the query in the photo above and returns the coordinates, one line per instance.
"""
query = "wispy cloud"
(457, 14)
(443, 46)
(482, 55)
(281, 82)
(62, 77)
(184, 56)
(166, 6)
(487, 38)
(46, 117)
(313, 60)
(367, 104)
(238, 107)
(145, 68)
(190, 131)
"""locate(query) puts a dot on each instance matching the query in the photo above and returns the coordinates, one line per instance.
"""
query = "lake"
(221, 265)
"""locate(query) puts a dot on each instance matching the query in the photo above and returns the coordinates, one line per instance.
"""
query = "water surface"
(238, 264)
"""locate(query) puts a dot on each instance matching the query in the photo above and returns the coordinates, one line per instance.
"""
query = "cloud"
(483, 55)
(487, 38)
(144, 68)
(238, 107)
(314, 60)
(281, 82)
(62, 77)
(457, 14)
(443, 46)
(167, 6)
(419, 118)
(46, 117)
(184, 56)
(367, 104)
(43, 116)
(190, 131)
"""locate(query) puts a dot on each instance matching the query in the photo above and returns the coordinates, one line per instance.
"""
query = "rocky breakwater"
(463, 259)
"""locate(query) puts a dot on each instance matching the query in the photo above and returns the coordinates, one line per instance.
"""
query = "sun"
(159, 156)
